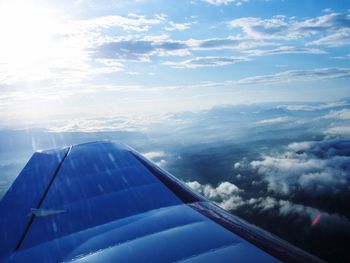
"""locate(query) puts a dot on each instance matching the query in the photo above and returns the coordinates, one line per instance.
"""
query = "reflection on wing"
(103, 201)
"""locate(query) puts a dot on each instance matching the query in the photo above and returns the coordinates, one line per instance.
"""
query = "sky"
(68, 59)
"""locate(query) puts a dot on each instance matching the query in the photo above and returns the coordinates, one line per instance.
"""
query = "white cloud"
(132, 22)
(205, 62)
(144, 48)
(298, 75)
(320, 106)
(343, 114)
(234, 43)
(177, 26)
(273, 28)
(286, 207)
(337, 39)
(226, 194)
(284, 50)
(158, 157)
(225, 2)
(154, 155)
(331, 29)
(136, 122)
(283, 207)
(315, 167)
(274, 120)
(338, 130)
(300, 146)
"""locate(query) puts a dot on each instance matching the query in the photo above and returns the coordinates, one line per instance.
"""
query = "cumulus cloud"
(283, 207)
(154, 155)
(158, 157)
(286, 207)
(226, 194)
(229, 197)
(316, 167)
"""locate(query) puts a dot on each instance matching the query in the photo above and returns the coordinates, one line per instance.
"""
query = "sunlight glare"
(26, 39)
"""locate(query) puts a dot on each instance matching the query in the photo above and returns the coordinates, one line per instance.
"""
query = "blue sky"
(63, 59)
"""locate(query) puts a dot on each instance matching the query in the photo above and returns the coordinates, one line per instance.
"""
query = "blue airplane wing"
(104, 202)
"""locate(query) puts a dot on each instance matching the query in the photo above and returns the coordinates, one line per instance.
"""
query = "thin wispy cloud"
(331, 29)
(206, 62)
(298, 75)
(225, 2)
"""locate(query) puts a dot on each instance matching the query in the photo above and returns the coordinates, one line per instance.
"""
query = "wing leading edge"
(104, 201)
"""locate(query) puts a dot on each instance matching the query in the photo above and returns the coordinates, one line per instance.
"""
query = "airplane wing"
(104, 202)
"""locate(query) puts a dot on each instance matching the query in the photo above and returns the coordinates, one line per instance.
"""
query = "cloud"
(225, 2)
(274, 120)
(132, 22)
(320, 106)
(298, 75)
(205, 62)
(177, 26)
(285, 207)
(236, 43)
(62, 55)
(343, 114)
(336, 39)
(158, 157)
(132, 48)
(140, 49)
(154, 155)
(130, 123)
(341, 57)
(316, 167)
(331, 29)
(229, 197)
(284, 50)
(339, 130)
(226, 194)
(277, 27)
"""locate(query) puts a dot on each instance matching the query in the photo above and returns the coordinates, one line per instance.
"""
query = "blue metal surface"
(25, 193)
(107, 203)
